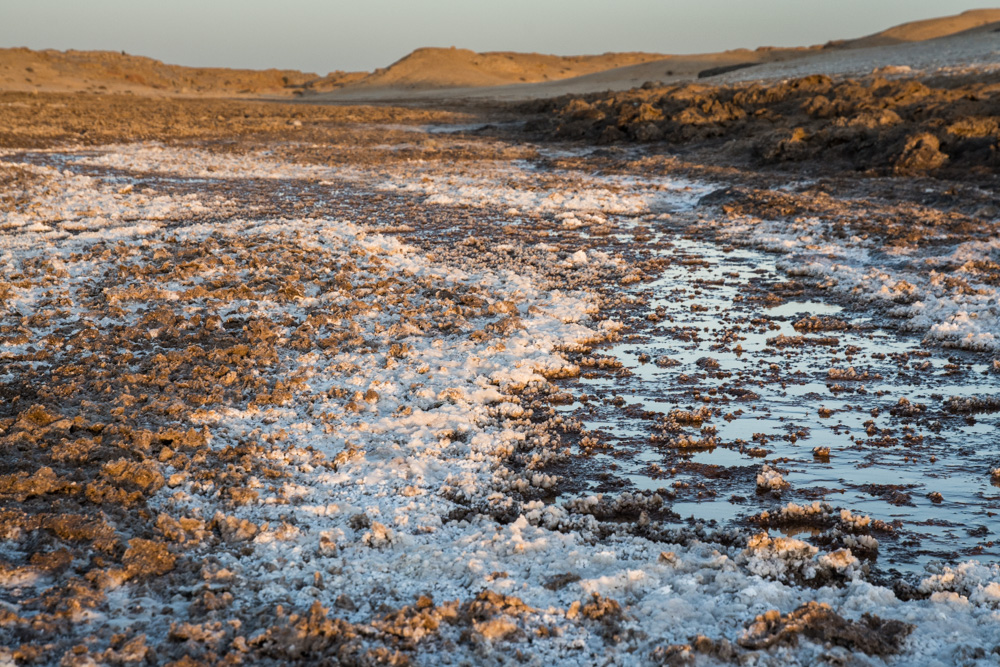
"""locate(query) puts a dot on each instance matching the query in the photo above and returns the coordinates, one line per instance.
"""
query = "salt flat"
(310, 413)
(694, 373)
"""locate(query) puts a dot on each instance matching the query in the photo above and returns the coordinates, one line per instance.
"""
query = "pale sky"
(321, 36)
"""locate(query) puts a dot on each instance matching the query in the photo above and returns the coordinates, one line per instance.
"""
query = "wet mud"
(904, 126)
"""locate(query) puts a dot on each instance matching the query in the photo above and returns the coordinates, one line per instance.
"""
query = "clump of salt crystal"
(769, 479)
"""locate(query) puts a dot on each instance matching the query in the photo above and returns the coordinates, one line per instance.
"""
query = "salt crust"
(405, 547)
(924, 300)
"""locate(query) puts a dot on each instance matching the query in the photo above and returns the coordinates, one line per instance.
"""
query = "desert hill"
(453, 68)
(438, 73)
(432, 73)
(919, 31)
(448, 81)
(99, 71)
(26, 70)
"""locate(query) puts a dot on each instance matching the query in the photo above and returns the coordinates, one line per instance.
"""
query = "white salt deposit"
(946, 312)
(377, 525)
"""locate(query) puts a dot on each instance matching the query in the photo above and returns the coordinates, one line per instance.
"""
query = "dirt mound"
(918, 31)
(818, 622)
(25, 70)
(457, 68)
(332, 81)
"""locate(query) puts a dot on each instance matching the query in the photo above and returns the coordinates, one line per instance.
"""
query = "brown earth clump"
(900, 126)
(300, 638)
(148, 558)
(818, 622)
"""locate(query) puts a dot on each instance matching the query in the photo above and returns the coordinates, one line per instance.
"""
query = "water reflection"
(885, 459)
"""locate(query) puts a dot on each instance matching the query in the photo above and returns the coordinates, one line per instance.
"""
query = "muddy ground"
(123, 514)
(876, 125)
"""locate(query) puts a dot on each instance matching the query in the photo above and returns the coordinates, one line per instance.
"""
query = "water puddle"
(780, 377)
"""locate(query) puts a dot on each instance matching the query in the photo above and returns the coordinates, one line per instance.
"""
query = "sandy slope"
(918, 31)
(669, 69)
(450, 68)
(967, 51)
(435, 73)
(98, 71)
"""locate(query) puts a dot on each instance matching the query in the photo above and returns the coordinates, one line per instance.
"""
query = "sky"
(326, 35)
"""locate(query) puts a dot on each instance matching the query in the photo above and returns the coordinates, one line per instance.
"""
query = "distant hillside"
(436, 73)
(426, 70)
(456, 68)
(65, 71)
(918, 31)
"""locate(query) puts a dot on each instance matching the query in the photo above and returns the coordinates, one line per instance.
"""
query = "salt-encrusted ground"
(239, 427)
(939, 292)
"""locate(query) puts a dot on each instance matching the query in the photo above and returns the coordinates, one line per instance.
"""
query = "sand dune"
(918, 31)
(663, 69)
(452, 84)
(437, 73)
(453, 68)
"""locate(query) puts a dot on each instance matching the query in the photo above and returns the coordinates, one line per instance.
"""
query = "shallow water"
(933, 451)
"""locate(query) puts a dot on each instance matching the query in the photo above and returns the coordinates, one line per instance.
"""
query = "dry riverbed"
(385, 393)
